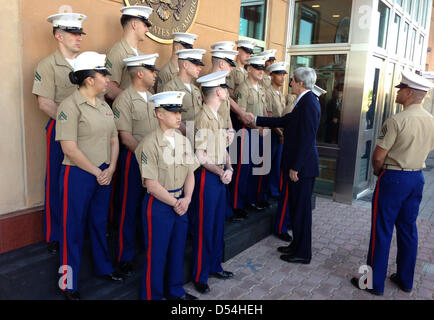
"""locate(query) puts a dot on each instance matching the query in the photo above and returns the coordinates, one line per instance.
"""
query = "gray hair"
(305, 75)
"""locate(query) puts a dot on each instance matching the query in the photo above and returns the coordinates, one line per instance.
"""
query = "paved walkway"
(340, 239)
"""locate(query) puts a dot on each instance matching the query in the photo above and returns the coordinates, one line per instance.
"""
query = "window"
(416, 10)
(399, 2)
(330, 70)
(397, 28)
(412, 44)
(409, 6)
(252, 19)
(325, 21)
(424, 12)
(406, 27)
(383, 24)
(421, 40)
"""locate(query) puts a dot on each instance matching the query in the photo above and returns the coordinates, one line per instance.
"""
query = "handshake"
(248, 118)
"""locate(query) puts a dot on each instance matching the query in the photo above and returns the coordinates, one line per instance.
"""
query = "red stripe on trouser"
(377, 191)
(258, 193)
(124, 204)
(47, 191)
(239, 168)
(199, 250)
(148, 270)
(281, 180)
(65, 215)
(283, 208)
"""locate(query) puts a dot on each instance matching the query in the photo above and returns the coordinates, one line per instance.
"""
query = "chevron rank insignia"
(144, 159)
(62, 116)
(116, 113)
(38, 76)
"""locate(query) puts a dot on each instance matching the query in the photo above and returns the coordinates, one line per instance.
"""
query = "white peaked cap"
(268, 53)
(185, 37)
(167, 98)
(278, 67)
(187, 54)
(137, 11)
(414, 81)
(67, 20)
(215, 79)
(318, 91)
(224, 54)
(146, 59)
(223, 45)
(246, 44)
(89, 60)
(258, 60)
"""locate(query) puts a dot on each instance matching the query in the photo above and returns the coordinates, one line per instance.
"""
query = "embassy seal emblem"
(168, 16)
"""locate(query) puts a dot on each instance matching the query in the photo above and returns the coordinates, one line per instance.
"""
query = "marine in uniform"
(134, 117)
(271, 55)
(275, 107)
(181, 41)
(236, 77)
(135, 24)
(211, 180)
(252, 99)
(87, 133)
(51, 86)
(167, 164)
(402, 147)
(190, 65)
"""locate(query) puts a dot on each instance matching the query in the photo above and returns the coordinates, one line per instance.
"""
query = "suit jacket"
(300, 128)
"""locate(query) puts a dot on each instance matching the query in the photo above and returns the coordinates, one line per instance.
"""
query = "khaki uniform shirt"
(167, 73)
(225, 111)
(290, 99)
(211, 135)
(192, 102)
(116, 65)
(91, 126)
(409, 137)
(236, 77)
(276, 102)
(251, 100)
(133, 114)
(52, 78)
(158, 161)
(266, 81)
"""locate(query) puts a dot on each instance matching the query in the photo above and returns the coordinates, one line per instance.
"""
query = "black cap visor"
(258, 66)
(402, 86)
(172, 107)
(104, 72)
(279, 72)
(185, 44)
(150, 67)
(248, 50)
(146, 21)
(194, 61)
(74, 30)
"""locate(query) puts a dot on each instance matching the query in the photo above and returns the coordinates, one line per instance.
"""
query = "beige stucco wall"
(29, 37)
(12, 194)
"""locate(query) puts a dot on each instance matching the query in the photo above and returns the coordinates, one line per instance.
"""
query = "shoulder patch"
(383, 132)
(62, 116)
(38, 76)
(116, 113)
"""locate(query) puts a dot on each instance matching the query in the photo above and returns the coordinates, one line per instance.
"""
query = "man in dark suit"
(299, 161)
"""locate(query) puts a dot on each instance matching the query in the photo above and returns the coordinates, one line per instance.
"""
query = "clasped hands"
(181, 206)
(104, 177)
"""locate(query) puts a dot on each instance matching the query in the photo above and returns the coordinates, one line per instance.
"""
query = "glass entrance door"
(372, 110)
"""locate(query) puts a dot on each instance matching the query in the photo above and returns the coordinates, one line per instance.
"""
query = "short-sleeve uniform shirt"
(167, 73)
(133, 114)
(192, 101)
(408, 136)
(250, 99)
(159, 161)
(116, 65)
(290, 99)
(52, 78)
(211, 135)
(275, 102)
(91, 126)
(236, 77)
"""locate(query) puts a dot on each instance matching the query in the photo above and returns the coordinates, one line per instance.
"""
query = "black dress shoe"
(395, 280)
(187, 296)
(114, 276)
(239, 215)
(53, 247)
(201, 287)
(222, 274)
(355, 283)
(286, 250)
(71, 295)
(126, 268)
(292, 259)
(285, 237)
